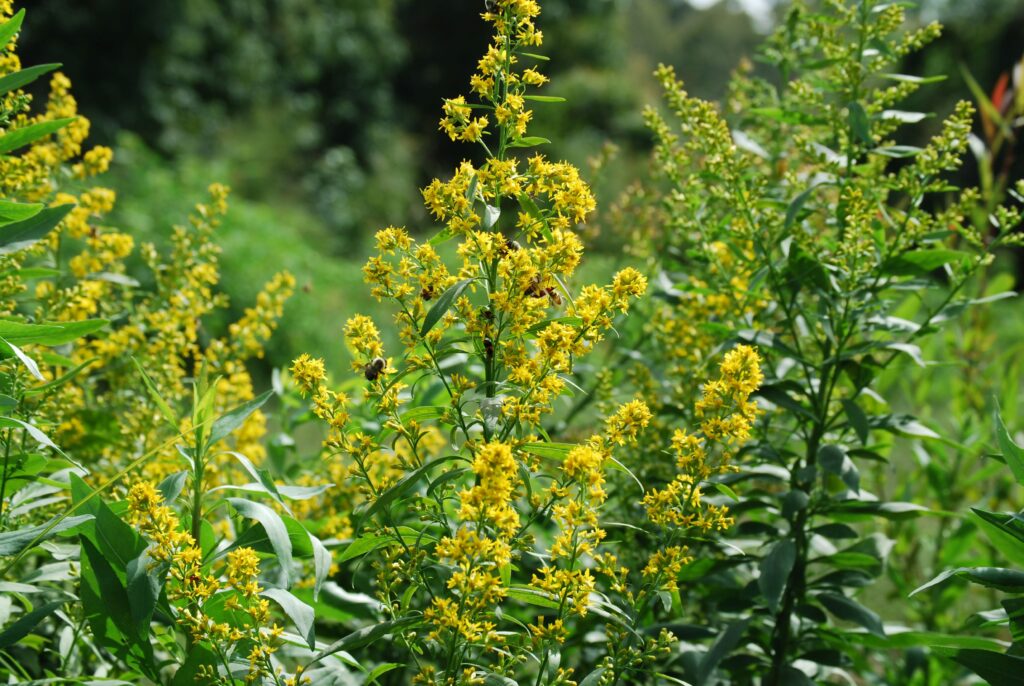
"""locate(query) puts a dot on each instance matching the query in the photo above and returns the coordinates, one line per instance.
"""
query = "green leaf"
(116, 540)
(33, 431)
(898, 151)
(257, 538)
(27, 622)
(262, 478)
(528, 142)
(443, 236)
(804, 269)
(379, 671)
(169, 416)
(33, 132)
(143, 588)
(594, 678)
(913, 639)
(321, 564)
(107, 608)
(723, 645)
(443, 304)
(11, 212)
(201, 660)
(363, 545)
(29, 363)
(903, 425)
(365, 636)
(794, 207)
(1012, 453)
(13, 542)
(550, 450)
(403, 486)
(1006, 531)
(791, 676)
(302, 615)
(850, 610)
(532, 596)
(997, 669)
(544, 98)
(275, 528)
(724, 490)
(231, 420)
(11, 27)
(775, 569)
(988, 109)
(51, 333)
(922, 262)
(777, 395)
(170, 488)
(904, 116)
(858, 420)
(895, 511)
(860, 125)
(911, 78)
(62, 379)
(834, 460)
(23, 234)
(423, 413)
(24, 77)
(1007, 580)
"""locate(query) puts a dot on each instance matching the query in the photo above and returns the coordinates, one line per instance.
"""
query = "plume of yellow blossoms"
(497, 330)
(160, 327)
(191, 587)
(727, 415)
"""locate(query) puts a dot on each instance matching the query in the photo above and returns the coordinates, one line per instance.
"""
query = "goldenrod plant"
(140, 588)
(814, 227)
(491, 558)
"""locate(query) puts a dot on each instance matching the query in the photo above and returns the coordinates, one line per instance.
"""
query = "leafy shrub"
(804, 229)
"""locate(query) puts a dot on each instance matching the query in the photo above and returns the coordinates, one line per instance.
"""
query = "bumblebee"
(373, 368)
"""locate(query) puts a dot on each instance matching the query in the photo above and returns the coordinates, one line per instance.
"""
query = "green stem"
(3, 481)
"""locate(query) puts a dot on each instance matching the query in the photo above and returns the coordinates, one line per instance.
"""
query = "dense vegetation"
(753, 422)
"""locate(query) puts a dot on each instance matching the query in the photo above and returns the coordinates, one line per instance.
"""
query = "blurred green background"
(322, 114)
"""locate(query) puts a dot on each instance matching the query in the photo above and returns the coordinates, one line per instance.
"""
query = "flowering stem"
(198, 463)
(3, 481)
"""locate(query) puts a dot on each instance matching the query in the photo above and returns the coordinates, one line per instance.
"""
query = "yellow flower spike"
(308, 373)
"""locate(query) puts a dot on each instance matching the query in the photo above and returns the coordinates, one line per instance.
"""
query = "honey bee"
(373, 368)
(427, 293)
(536, 290)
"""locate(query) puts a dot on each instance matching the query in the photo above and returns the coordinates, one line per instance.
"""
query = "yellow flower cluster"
(159, 328)
(577, 499)
(479, 549)
(728, 415)
(475, 585)
(156, 521)
(191, 587)
(490, 501)
(495, 81)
